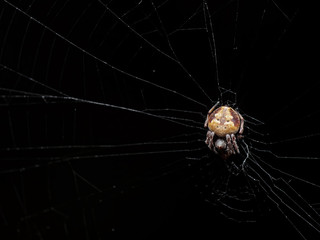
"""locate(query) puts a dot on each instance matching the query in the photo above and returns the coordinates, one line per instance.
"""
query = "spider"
(225, 126)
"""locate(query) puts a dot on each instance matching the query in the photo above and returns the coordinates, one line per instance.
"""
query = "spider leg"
(208, 114)
(206, 122)
(209, 139)
(214, 106)
(230, 145)
(241, 124)
(234, 142)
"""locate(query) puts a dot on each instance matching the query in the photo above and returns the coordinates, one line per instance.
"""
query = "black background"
(273, 73)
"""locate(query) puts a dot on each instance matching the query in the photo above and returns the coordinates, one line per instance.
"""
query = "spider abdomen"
(224, 120)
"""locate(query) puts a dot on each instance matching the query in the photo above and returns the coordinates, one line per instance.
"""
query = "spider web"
(102, 111)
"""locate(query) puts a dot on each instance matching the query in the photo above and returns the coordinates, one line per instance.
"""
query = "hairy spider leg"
(234, 142)
(209, 139)
(208, 114)
(241, 124)
(230, 146)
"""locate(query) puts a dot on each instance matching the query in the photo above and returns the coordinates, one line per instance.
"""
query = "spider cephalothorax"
(225, 126)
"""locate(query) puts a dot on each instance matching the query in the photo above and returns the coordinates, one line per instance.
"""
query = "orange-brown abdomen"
(224, 120)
